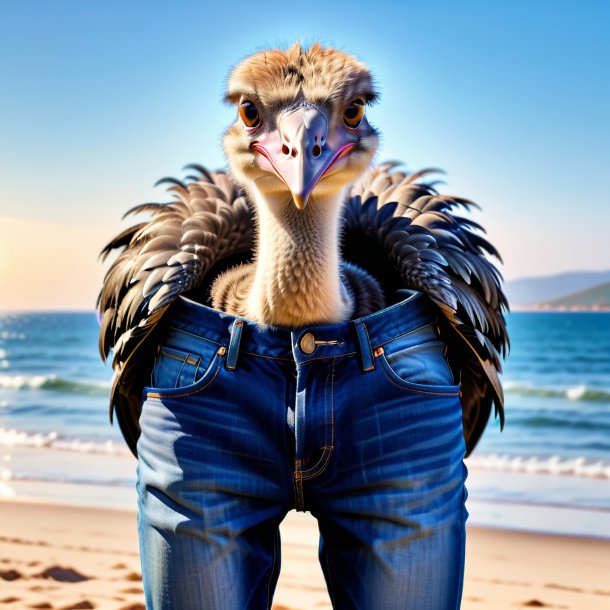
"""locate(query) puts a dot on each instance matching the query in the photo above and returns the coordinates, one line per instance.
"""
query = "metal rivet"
(308, 343)
(222, 351)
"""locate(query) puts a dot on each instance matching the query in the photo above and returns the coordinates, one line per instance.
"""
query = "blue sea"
(549, 470)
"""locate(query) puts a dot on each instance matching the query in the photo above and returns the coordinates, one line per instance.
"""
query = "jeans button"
(307, 343)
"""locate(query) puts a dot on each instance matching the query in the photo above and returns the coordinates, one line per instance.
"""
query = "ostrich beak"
(300, 152)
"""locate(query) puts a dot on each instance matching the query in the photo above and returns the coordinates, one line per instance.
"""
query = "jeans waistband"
(361, 335)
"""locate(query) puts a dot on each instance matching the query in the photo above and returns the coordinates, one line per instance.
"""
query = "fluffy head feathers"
(320, 75)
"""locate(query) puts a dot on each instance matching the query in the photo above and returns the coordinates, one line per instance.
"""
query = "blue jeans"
(359, 423)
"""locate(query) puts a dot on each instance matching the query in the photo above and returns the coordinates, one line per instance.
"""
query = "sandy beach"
(67, 557)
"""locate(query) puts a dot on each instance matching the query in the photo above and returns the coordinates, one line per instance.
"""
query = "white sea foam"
(6, 475)
(18, 382)
(52, 382)
(580, 392)
(9, 437)
(577, 392)
(578, 467)
(7, 334)
(6, 491)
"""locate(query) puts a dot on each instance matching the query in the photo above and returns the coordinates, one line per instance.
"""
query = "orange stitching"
(180, 371)
(191, 393)
(389, 371)
(311, 472)
(431, 392)
(294, 485)
(188, 360)
(300, 500)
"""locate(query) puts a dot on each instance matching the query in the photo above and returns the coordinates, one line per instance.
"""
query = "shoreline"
(512, 499)
(68, 556)
(487, 509)
(532, 309)
(131, 508)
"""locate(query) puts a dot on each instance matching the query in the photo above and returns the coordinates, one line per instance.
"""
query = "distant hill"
(544, 289)
(597, 297)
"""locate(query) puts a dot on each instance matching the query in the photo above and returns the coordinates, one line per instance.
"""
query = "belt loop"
(368, 364)
(236, 329)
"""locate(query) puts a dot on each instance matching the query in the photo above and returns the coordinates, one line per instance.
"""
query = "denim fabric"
(358, 423)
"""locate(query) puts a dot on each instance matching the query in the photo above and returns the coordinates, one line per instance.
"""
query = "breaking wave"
(575, 393)
(52, 383)
(9, 437)
(577, 467)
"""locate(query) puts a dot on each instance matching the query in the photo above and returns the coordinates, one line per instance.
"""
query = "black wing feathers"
(169, 255)
(434, 250)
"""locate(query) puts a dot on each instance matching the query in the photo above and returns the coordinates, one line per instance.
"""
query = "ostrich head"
(301, 133)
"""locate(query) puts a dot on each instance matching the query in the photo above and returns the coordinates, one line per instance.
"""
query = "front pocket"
(417, 361)
(175, 368)
(201, 382)
(183, 361)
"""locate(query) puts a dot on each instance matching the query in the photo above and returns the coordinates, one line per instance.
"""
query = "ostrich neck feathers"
(295, 278)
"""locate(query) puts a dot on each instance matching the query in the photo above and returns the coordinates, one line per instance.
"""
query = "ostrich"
(295, 151)
(303, 230)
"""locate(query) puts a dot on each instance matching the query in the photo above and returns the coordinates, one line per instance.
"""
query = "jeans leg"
(213, 485)
(390, 506)
(376, 562)
(185, 567)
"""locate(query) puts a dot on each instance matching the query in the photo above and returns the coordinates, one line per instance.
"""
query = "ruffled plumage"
(397, 229)
(407, 235)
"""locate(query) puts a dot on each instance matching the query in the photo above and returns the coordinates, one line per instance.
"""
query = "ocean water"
(549, 470)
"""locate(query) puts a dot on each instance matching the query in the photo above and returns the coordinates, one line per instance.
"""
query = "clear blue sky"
(512, 99)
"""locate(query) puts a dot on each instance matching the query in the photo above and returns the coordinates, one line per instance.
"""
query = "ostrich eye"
(353, 113)
(249, 114)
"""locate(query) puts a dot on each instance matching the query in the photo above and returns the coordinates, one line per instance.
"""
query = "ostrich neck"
(297, 276)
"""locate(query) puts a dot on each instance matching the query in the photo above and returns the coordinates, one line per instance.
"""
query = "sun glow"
(50, 266)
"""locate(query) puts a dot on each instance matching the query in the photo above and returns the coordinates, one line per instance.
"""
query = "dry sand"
(61, 557)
